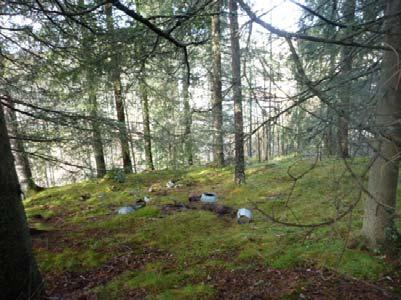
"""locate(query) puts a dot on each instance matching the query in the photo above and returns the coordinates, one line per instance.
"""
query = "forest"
(200, 149)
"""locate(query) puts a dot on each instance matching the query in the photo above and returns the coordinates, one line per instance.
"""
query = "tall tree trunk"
(97, 143)
(21, 158)
(146, 127)
(118, 97)
(378, 225)
(131, 142)
(19, 275)
(266, 138)
(237, 93)
(250, 118)
(122, 127)
(217, 96)
(188, 146)
(258, 144)
(348, 10)
(90, 85)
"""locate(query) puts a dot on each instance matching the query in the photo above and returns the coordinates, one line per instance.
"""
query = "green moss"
(250, 252)
(198, 291)
(200, 240)
(70, 260)
(155, 280)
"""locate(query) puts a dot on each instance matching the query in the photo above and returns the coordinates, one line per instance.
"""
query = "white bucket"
(244, 215)
(125, 210)
(208, 198)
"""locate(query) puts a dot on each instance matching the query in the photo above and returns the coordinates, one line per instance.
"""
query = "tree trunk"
(258, 145)
(187, 122)
(97, 143)
(118, 98)
(378, 225)
(146, 127)
(237, 93)
(122, 127)
(217, 97)
(250, 153)
(266, 138)
(90, 85)
(19, 275)
(21, 158)
(131, 142)
(346, 58)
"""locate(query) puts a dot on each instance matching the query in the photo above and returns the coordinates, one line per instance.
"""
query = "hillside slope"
(85, 249)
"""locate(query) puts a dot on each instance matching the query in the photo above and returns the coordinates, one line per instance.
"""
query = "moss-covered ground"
(146, 254)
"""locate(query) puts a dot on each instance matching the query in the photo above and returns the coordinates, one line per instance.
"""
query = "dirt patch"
(265, 283)
(169, 209)
(220, 210)
(73, 285)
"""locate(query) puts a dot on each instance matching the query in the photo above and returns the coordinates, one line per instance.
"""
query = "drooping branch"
(311, 38)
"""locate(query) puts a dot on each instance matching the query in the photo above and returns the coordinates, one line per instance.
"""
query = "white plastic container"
(125, 210)
(170, 184)
(244, 216)
(209, 198)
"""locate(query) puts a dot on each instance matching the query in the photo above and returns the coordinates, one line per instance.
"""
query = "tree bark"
(146, 127)
(188, 145)
(378, 224)
(19, 275)
(131, 143)
(21, 158)
(118, 97)
(122, 127)
(217, 96)
(97, 143)
(90, 85)
(346, 58)
(250, 152)
(237, 93)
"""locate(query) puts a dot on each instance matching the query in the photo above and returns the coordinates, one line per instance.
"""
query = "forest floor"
(85, 250)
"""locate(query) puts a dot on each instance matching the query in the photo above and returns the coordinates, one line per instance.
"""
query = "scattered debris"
(194, 198)
(218, 209)
(84, 197)
(244, 216)
(125, 210)
(138, 204)
(101, 196)
(208, 198)
(170, 184)
(225, 210)
(147, 199)
(131, 208)
(168, 209)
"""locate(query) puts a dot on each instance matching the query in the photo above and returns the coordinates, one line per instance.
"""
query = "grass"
(200, 241)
